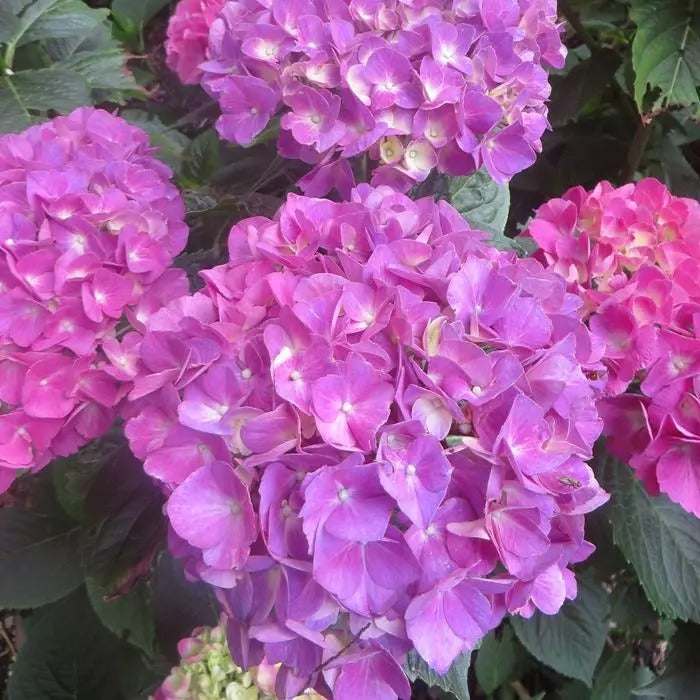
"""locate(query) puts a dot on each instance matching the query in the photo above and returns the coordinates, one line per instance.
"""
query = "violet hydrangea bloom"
(361, 445)
(186, 45)
(89, 225)
(412, 85)
(631, 253)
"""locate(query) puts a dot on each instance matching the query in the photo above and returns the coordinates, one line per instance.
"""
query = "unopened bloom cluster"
(633, 254)
(207, 671)
(412, 84)
(373, 426)
(186, 45)
(89, 223)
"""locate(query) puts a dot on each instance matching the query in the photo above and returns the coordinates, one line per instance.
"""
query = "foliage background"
(93, 606)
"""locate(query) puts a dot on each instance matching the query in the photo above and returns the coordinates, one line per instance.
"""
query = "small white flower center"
(295, 375)
(246, 373)
(343, 495)
(346, 407)
(477, 391)
(411, 469)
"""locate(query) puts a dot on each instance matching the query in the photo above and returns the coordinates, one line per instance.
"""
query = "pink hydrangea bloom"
(358, 441)
(188, 37)
(412, 85)
(631, 253)
(89, 225)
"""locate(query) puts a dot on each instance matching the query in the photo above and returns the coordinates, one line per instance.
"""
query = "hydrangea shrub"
(411, 86)
(631, 253)
(371, 423)
(89, 226)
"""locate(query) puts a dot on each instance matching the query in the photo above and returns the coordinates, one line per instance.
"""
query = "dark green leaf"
(660, 539)
(134, 14)
(571, 641)
(483, 203)
(666, 53)
(583, 83)
(454, 681)
(201, 158)
(130, 616)
(38, 558)
(51, 88)
(123, 522)
(171, 143)
(179, 605)
(9, 24)
(681, 678)
(40, 20)
(498, 659)
(69, 655)
(13, 114)
(616, 679)
(630, 608)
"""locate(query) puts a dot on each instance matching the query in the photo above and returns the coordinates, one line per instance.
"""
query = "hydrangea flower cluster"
(414, 84)
(373, 428)
(186, 45)
(632, 254)
(89, 224)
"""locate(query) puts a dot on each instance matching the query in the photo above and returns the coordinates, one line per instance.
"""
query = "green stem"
(639, 144)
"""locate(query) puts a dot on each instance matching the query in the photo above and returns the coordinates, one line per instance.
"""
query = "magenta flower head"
(410, 85)
(631, 254)
(360, 444)
(89, 225)
(187, 42)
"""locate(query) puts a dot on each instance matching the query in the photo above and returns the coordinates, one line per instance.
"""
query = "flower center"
(343, 495)
(246, 373)
(346, 407)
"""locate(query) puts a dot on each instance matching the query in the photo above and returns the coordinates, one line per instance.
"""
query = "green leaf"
(171, 143)
(666, 54)
(123, 522)
(39, 20)
(38, 558)
(130, 616)
(571, 641)
(179, 605)
(583, 83)
(681, 677)
(483, 203)
(132, 15)
(454, 681)
(201, 158)
(659, 538)
(51, 88)
(616, 679)
(69, 655)
(498, 659)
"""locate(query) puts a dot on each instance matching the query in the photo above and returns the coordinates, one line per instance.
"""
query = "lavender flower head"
(412, 85)
(373, 429)
(89, 225)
